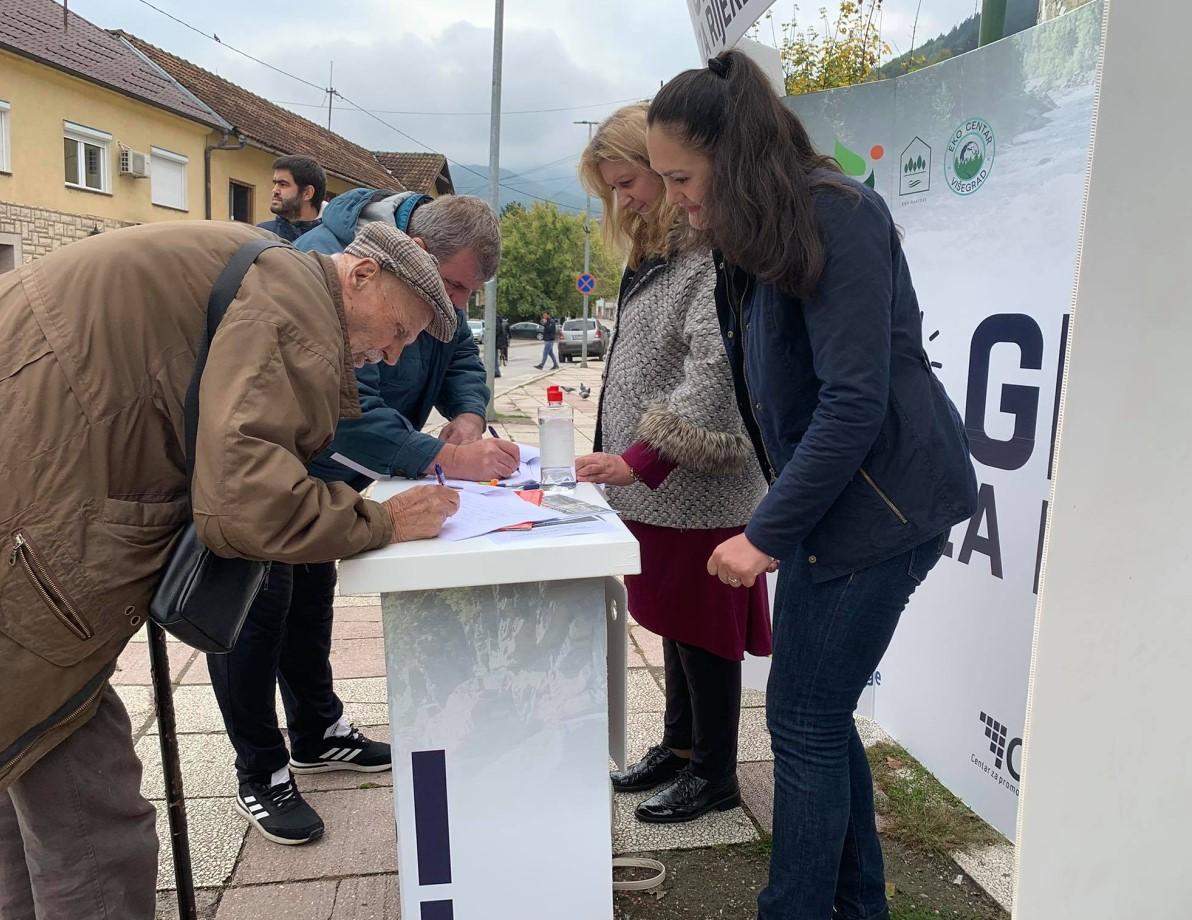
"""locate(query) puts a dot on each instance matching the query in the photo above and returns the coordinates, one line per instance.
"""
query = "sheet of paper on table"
(528, 471)
(606, 524)
(480, 514)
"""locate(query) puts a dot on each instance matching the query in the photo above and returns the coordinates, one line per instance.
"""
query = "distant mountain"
(1020, 15)
(558, 188)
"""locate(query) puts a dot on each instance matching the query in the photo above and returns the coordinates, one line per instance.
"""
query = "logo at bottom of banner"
(1002, 760)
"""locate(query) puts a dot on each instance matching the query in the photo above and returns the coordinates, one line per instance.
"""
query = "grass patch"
(918, 811)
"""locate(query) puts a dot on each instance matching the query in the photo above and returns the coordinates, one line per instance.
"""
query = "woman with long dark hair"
(867, 456)
(680, 470)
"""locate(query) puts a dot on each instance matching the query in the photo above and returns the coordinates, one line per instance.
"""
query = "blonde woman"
(680, 469)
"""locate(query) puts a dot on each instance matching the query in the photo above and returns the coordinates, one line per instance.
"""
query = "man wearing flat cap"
(97, 346)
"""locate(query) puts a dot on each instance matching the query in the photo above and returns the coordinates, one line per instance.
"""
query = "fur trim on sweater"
(691, 446)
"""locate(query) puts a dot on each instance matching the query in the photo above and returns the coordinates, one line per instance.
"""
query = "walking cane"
(163, 696)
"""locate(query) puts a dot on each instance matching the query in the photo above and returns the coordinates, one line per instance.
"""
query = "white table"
(502, 662)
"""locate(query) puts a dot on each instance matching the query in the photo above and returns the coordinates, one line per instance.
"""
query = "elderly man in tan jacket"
(97, 346)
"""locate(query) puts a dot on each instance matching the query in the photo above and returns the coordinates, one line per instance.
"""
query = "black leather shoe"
(688, 797)
(657, 767)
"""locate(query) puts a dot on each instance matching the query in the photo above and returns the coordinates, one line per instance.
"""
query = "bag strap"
(223, 292)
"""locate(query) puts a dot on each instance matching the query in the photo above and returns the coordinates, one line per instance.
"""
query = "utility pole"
(330, 93)
(587, 253)
(494, 193)
(993, 21)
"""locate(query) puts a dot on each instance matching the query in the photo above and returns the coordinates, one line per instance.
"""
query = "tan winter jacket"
(97, 346)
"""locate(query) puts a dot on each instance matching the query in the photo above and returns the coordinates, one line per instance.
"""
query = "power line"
(215, 38)
(568, 108)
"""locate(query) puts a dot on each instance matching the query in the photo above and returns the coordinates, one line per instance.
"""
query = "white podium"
(503, 661)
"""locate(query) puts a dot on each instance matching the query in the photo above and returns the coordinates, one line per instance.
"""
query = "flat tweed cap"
(399, 255)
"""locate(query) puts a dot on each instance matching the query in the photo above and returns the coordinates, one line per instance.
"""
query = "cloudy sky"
(404, 58)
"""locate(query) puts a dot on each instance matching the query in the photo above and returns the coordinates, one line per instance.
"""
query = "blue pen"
(493, 431)
(439, 475)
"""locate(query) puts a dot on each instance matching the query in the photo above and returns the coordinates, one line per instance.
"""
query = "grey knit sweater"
(667, 382)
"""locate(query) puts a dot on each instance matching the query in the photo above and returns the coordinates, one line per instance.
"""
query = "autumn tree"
(542, 251)
(842, 53)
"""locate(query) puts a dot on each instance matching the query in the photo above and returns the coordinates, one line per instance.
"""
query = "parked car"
(575, 331)
(525, 331)
(477, 327)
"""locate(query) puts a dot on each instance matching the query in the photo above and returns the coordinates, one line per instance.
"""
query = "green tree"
(542, 251)
(842, 53)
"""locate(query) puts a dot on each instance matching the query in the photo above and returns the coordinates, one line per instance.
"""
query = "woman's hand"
(604, 468)
(738, 562)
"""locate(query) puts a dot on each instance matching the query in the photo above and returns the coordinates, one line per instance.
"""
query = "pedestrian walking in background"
(672, 448)
(550, 332)
(869, 458)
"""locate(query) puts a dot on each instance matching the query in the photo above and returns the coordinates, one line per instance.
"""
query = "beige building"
(100, 130)
(92, 135)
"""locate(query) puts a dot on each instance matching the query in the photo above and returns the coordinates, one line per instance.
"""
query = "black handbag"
(203, 598)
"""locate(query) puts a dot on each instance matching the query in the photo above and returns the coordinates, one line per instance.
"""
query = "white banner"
(720, 24)
(983, 160)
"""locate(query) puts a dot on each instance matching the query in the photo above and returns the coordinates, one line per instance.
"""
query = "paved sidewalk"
(351, 873)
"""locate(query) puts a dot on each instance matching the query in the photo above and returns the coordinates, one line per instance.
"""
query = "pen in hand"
(439, 475)
(493, 431)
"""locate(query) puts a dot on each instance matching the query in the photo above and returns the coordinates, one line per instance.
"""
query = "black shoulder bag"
(203, 598)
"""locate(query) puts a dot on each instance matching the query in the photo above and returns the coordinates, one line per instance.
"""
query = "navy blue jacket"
(396, 401)
(866, 453)
(289, 230)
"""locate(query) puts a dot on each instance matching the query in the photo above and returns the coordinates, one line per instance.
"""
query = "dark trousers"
(286, 642)
(77, 838)
(703, 708)
(828, 639)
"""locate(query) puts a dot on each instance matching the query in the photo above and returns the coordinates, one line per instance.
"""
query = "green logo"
(969, 158)
(853, 164)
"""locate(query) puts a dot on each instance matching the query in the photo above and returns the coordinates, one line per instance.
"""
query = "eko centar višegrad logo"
(969, 158)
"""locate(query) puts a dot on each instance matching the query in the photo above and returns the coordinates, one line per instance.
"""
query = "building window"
(167, 178)
(240, 202)
(86, 152)
(5, 154)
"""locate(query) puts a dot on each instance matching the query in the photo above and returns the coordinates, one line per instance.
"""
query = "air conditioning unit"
(133, 163)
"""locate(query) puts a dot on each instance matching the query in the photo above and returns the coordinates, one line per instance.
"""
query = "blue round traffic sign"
(585, 283)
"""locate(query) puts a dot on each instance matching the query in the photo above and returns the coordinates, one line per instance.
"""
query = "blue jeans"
(548, 351)
(828, 639)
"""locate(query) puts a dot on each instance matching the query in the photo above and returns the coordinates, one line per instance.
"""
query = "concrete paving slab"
(634, 657)
(197, 712)
(205, 902)
(752, 699)
(216, 833)
(358, 657)
(371, 897)
(362, 690)
(360, 840)
(753, 741)
(132, 667)
(992, 868)
(294, 901)
(757, 791)
(358, 600)
(139, 703)
(715, 829)
(644, 693)
(356, 629)
(208, 766)
(650, 645)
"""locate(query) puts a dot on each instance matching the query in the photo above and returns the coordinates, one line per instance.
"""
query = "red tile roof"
(270, 126)
(39, 30)
(419, 172)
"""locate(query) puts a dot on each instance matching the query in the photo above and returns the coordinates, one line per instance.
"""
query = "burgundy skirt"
(676, 598)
